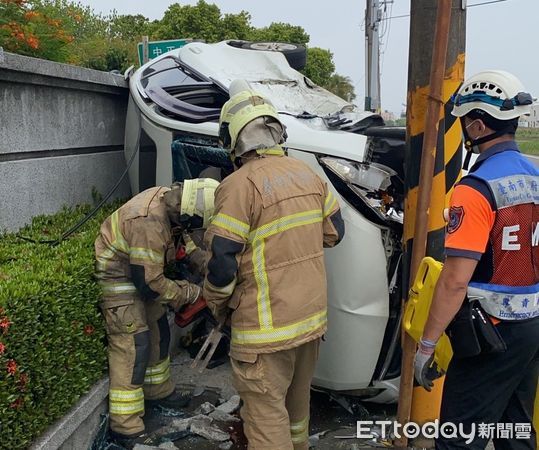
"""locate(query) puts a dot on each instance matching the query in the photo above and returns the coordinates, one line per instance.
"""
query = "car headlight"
(367, 176)
(370, 183)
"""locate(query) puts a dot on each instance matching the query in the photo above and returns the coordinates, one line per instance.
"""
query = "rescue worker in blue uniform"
(492, 249)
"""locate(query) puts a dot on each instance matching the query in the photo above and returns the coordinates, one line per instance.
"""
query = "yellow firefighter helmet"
(244, 106)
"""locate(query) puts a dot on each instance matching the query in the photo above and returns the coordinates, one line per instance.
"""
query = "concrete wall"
(78, 428)
(61, 135)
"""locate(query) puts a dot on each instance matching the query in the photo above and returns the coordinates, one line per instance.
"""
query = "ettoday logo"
(388, 429)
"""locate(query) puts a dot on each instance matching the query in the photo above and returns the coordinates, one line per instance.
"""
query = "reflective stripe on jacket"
(132, 248)
(272, 219)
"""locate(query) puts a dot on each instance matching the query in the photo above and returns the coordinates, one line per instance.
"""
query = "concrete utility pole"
(432, 162)
(373, 17)
(145, 50)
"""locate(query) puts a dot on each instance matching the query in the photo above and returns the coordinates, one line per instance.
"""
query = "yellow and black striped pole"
(447, 170)
(428, 26)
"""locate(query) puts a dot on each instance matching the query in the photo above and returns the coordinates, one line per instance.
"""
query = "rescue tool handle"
(208, 349)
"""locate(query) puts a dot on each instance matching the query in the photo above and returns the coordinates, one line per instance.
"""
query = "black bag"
(472, 332)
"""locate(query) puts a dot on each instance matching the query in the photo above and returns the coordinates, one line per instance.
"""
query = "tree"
(66, 31)
(236, 26)
(31, 28)
(203, 21)
(200, 21)
(59, 30)
(280, 32)
(319, 66)
(341, 86)
(128, 27)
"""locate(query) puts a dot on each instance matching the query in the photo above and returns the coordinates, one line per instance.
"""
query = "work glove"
(189, 294)
(425, 369)
(197, 262)
(192, 292)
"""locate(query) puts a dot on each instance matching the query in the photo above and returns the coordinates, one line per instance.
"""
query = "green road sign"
(157, 48)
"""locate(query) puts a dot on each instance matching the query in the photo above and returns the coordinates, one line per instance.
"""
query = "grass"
(528, 140)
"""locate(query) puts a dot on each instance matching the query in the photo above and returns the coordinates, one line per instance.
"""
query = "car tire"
(295, 54)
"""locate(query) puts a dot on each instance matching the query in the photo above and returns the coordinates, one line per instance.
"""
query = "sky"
(500, 35)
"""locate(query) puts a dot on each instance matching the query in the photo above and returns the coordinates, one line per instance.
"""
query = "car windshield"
(181, 92)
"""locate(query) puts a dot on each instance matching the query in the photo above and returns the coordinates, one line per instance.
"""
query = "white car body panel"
(305, 135)
(358, 300)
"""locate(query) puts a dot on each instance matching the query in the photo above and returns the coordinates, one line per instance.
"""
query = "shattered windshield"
(181, 92)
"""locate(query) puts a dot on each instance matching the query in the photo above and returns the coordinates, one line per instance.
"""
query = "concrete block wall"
(61, 136)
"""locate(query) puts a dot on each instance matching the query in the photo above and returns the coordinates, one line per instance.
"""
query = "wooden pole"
(434, 105)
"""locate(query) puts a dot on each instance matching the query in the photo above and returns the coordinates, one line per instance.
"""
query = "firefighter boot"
(176, 400)
(127, 441)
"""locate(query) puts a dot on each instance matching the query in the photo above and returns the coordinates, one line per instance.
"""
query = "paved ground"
(333, 427)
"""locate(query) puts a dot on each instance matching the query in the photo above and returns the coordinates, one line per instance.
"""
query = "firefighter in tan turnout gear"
(273, 216)
(134, 245)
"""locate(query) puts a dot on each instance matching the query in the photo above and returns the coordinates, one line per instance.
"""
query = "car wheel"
(295, 54)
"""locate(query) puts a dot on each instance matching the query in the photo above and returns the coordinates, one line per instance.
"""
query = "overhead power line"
(468, 6)
(486, 3)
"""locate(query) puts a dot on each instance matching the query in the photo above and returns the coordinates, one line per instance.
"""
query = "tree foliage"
(67, 31)
(237, 26)
(203, 21)
(280, 32)
(320, 66)
(341, 86)
(29, 28)
(129, 27)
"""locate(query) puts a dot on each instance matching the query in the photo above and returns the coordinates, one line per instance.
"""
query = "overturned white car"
(171, 135)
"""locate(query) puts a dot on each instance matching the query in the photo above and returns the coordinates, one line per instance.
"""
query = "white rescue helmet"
(499, 93)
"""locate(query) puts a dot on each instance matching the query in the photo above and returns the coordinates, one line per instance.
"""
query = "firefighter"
(273, 216)
(134, 245)
(492, 248)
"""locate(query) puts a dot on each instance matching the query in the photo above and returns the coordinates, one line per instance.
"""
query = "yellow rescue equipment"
(418, 307)
(198, 198)
(417, 312)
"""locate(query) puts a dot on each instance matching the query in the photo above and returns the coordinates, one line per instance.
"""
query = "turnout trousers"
(139, 364)
(275, 390)
(498, 388)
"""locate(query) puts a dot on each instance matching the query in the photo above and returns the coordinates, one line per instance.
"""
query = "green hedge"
(528, 140)
(52, 340)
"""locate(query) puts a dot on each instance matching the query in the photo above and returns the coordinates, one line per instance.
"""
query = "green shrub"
(52, 347)
(528, 140)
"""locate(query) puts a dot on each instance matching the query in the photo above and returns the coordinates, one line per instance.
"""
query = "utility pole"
(433, 162)
(373, 17)
(145, 50)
